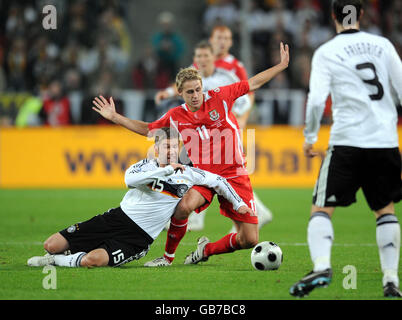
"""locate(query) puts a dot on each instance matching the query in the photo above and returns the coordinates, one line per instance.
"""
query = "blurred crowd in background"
(92, 50)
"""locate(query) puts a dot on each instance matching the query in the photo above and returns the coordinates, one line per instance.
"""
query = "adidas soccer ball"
(266, 255)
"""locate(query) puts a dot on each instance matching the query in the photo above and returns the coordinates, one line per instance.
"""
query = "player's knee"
(47, 246)
(183, 210)
(92, 260)
(56, 243)
(50, 246)
(250, 243)
(247, 241)
(190, 201)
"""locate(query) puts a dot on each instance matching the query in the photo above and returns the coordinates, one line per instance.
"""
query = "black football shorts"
(113, 231)
(346, 169)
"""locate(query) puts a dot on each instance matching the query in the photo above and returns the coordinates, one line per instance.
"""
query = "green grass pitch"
(28, 217)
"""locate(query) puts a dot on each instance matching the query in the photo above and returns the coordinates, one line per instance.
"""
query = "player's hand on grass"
(285, 57)
(105, 108)
(178, 166)
(244, 210)
(308, 150)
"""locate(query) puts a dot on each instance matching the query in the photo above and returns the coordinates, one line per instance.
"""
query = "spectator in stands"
(44, 61)
(221, 12)
(168, 44)
(56, 106)
(15, 26)
(148, 73)
(105, 86)
(370, 21)
(264, 18)
(307, 10)
(392, 24)
(114, 28)
(79, 22)
(104, 54)
(3, 78)
(33, 56)
(72, 53)
(17, 65)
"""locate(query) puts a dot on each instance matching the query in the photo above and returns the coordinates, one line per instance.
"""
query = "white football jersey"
(358, 70)
(155, 192)
(222, 77)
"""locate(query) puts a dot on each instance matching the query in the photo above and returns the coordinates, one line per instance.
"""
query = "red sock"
(227, 244)
(176, 232)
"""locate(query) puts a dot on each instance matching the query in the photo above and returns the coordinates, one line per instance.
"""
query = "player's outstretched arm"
(263, 77)
(138, 174)
(222, 188)
(107, 110)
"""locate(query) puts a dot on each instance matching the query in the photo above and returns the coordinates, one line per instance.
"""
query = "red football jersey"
(230, 63)
(211, 135)
(57, 112)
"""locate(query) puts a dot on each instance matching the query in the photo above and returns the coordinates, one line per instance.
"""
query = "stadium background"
(57, 168)
(128, 50)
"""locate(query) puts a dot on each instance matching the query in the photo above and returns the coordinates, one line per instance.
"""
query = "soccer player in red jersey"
(221, 42)
(211, 136)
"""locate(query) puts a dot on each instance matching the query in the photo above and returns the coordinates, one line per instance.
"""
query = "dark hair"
(338, 5)
(165, 133)
(204, 44)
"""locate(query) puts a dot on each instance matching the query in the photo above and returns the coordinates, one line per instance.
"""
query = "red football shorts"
(242, 185)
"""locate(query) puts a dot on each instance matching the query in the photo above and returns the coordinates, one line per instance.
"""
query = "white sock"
(388, 234)
(263, 213)
(320, 235)
(72, 260)
(198, 217)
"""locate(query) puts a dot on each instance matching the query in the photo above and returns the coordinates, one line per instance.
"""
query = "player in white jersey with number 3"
(125, 233)
(358, 69)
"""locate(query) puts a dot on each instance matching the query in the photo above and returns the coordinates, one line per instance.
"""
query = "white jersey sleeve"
(241, 105)
(139, 174)
(155, 192)
(216, 182)
(320, 80)
(395, 70)
(152, 196)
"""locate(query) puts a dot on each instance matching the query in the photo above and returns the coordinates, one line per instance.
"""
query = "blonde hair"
(186, 74)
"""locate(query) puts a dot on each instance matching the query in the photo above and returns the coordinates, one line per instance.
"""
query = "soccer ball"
(266, 255)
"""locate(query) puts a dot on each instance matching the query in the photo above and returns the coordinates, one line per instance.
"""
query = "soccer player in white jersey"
(123, 234)
(214, 77)
(358, 69)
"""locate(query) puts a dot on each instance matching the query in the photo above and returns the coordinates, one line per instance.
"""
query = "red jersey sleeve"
(231, 92)
(241, 72)
(163, 121)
